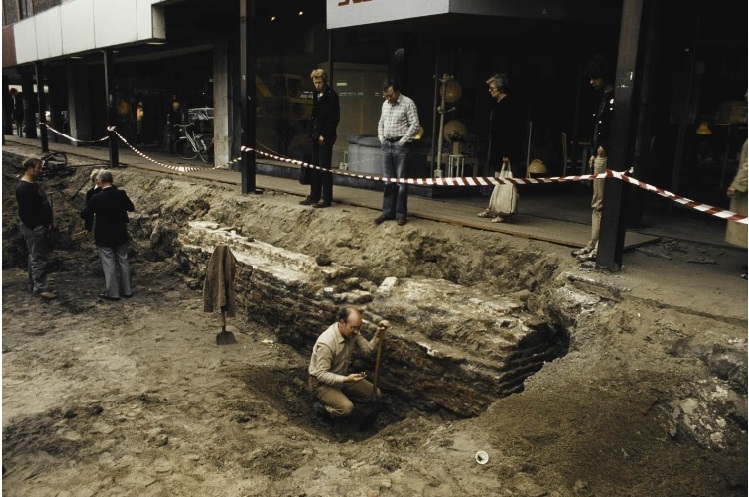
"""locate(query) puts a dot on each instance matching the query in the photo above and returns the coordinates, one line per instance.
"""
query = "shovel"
(369, 420)
(225, 337)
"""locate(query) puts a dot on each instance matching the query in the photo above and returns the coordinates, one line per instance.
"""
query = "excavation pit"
(451, 347)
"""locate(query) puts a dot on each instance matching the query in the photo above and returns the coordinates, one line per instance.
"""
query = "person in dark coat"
(326, 113)
(504, 146)
(94, 188)
(108, 209)
(504, 126)
(35, 213)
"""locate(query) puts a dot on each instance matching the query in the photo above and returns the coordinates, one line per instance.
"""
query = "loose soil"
(135, 397)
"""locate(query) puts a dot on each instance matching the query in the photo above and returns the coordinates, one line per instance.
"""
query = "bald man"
(329, 379)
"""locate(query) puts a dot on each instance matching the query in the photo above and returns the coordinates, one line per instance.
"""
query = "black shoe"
(321, 414)
(128, 296)
(307, 201)
(381, 219)
(107, 297)
(321, 204)
(319, 409)
(402, 221)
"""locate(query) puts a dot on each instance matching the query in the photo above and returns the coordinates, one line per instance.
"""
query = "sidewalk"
(558, 215)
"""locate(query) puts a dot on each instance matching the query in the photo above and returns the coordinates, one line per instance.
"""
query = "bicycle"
(55, 164)
(191, 144)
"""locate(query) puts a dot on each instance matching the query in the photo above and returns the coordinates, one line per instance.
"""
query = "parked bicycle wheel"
(206, 151)
(184, 148)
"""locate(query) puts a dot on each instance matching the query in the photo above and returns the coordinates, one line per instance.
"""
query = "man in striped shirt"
(399, 123)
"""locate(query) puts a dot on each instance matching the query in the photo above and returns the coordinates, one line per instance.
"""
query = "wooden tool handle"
(377, 367)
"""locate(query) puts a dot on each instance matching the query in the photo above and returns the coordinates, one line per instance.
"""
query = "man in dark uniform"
(326, 112)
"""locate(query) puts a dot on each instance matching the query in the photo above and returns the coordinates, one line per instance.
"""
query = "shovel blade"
(225, 338)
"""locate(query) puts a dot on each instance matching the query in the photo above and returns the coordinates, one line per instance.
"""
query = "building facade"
(686, 110)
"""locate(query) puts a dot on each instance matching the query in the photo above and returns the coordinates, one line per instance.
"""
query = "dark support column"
(644, 160)
(114, 141)
(55, 98)
(42, 100)
(248, 90)
(621, 155)
(29, 104)
(7, 108)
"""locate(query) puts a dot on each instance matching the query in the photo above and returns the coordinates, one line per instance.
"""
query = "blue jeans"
(395, 198)
(36, 243)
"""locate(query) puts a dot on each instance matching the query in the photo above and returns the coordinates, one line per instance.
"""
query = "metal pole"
(42, 101)
(434, 105)
(621, 155)
(248, 91)
(114, 151)
(443, 89)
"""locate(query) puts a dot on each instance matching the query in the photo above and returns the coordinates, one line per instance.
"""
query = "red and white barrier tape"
(486, 181)
(453, 181)
(74, 139)
(707, 209)
(179, 169)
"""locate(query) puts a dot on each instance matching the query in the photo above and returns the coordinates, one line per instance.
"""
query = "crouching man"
(329, 380)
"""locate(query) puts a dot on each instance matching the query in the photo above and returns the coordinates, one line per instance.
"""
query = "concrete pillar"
(221, 111)
(79, 103)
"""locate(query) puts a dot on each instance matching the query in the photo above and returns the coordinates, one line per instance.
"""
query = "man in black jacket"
(35, 212)
(110, 207)
(326, 113)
